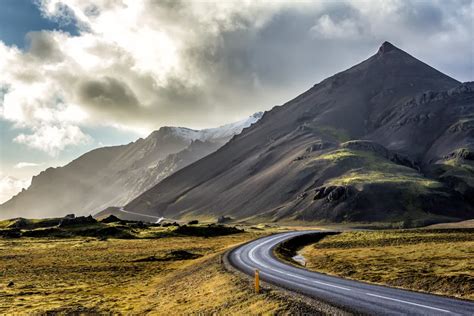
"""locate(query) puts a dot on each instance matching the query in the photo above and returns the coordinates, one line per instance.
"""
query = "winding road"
(353, 295)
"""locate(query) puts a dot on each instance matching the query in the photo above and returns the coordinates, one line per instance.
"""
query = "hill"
(115, 175)
(390, 139)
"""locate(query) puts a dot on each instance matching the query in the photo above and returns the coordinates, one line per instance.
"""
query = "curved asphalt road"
(355, 296)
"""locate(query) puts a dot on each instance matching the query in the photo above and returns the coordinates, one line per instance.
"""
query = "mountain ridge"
(261, 171)
(113, 175)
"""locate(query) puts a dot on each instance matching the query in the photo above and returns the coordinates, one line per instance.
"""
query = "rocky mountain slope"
(112, 176)
(390, 139)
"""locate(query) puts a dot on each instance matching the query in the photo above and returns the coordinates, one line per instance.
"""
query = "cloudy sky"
(78, 74)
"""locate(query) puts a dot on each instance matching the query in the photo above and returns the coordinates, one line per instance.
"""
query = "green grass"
(459, 168)
(370, 176)
(363, 167)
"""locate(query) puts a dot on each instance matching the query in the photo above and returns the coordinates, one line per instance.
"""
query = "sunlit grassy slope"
(376, 170)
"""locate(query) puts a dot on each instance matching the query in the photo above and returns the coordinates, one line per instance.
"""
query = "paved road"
(357, 296)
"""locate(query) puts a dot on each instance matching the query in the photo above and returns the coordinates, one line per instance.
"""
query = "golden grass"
(436, 261)
(91, 276)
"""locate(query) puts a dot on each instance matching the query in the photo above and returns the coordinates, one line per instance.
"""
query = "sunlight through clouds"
(139, 65)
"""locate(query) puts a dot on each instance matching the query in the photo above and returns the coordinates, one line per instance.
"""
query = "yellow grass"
(440, 262)
(91, 276)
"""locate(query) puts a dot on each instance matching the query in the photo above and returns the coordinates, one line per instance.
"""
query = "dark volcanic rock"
(462, 153)
(207, 231)
(19, 223)
(10, 233)
(174, 255)
(81, 220)
(430, 125)
(333, 193)
(337, 193)
(183, 255)
(111, 219)
(24, 223)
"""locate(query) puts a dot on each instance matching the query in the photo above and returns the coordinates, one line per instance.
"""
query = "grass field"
(127, 276)
(437, 261)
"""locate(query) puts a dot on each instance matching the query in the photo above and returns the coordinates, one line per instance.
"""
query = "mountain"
(390, 139)
(112, 176)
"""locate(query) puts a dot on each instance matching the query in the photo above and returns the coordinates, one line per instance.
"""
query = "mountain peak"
(387, 47)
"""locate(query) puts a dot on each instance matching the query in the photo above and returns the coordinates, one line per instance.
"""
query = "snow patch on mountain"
(212, 134)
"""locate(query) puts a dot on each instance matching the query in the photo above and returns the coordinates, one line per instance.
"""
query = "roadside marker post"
(257, 282)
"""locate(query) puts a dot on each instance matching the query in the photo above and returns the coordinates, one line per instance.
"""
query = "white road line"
(336, 286)
(277, 273)
(258, 262)
(410, 303)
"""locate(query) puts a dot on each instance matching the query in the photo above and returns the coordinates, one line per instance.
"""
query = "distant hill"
(390, 139)
(112, 176)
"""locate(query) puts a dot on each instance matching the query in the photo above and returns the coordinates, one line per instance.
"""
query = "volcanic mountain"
(115, 175)
(390, 139)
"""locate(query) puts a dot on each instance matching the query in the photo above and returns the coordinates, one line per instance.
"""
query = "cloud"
(143, 64)
(327, 28)
(22, 165)
(43, 46)
(53, 139)
(10, 186)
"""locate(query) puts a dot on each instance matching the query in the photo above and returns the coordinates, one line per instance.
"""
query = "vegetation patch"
(171, 256)
(81, 275)
(210, 230)
(110, 227)
(378, 170)
(439, 261)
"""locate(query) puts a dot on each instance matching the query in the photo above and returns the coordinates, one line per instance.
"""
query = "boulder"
(111, 219)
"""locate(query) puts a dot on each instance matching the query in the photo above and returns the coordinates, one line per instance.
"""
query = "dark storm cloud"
(108, 95)
(245, 66)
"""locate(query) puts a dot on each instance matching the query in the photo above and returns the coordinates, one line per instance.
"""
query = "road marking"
(255, 262)
(410, 303)
(336, 286)
(258, 262)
